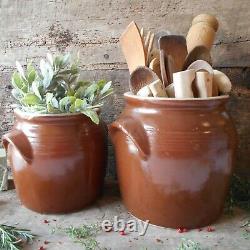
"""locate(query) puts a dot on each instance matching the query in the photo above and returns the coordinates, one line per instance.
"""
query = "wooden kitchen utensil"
(141, 77)
(175, 46)
(163, 64)
(170, 90)
(157, 89)
(183, 83)
(222, 82)
(155, 66)
(202, 32)
(197, 53)
(132, 47)
(201, 65)
(145, 92)
(203, 84)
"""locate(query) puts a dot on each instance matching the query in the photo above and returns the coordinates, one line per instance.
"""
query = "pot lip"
(30, 115)
(130, 95)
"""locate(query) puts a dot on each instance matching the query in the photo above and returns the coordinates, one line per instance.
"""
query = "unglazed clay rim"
(151, 98)
(30, 115)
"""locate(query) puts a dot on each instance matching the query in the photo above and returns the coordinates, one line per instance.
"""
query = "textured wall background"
(29, 28)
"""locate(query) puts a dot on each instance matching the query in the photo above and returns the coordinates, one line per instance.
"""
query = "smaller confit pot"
(174, 158)
(58, 161)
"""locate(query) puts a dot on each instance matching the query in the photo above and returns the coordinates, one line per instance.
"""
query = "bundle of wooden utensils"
(172, 65)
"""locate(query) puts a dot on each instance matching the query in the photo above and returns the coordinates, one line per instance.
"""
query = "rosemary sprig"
(11, 238)
(85, 235)
(187, 244)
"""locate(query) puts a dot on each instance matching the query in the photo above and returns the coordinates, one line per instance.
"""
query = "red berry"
(46, 221)
(122, 232)
(180, 230)
(184, 230)
(210, 229)
(42, 248)
(46, 242)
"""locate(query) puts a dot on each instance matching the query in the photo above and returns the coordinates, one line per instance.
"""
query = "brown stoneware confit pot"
(174, 158)
(58, 161)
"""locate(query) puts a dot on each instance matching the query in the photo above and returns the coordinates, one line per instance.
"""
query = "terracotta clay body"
(174, 158)
(58, 161)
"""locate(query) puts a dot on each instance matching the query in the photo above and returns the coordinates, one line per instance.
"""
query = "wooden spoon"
(155, 66)
(141, 77)
(175, 46)
(201, 65)
(163, 64)
(198, 53)
(132, 47)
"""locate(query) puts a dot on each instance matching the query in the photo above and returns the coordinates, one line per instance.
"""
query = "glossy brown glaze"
(58, 161)
(174, 159)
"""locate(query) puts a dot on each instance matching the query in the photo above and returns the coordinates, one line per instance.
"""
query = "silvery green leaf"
(101, 83)
(80, 92)
(50, 59)
(52, 109)
(91, 89)
(30, 99)
(106, 88)
(91, 98)
(35, 87)
(74, 69)
(20, 69)
(17, 81)
(48, 97)
(31, 76)
(66, 102)
(54, 102)
(92, 115)
(73, 78)
(57, 62)
(17, 94)
(65, 60)
(30, 68)
(80, 104)
(47, 73)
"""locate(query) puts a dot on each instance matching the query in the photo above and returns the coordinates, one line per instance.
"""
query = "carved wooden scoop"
(175, 46)
(141, 77)
(198, 53)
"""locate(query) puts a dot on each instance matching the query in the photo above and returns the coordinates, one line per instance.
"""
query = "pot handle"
(19, 140)
(133, 129)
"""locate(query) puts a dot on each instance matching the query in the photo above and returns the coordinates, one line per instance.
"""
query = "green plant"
(187, 244)
(11, 238)
(85, 235)
(56, 88)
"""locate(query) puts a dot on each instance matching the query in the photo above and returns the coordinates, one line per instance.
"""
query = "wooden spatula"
(175, 46)
(132, 47)
(198, 53)
(141, 77)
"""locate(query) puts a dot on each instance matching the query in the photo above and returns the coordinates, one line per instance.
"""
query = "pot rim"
(130, 95)
(31, 116)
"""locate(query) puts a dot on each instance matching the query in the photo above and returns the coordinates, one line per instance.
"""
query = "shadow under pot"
(174, 158)
(58, 161)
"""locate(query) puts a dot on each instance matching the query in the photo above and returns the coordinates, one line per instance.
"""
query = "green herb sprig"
(55, 88)
(12, 238)
(85, 235)
(188, 244)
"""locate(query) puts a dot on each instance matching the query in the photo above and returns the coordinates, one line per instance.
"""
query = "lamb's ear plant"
(56, 88)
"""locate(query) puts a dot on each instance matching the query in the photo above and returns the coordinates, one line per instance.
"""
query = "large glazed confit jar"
(58, 161)
(174, 158)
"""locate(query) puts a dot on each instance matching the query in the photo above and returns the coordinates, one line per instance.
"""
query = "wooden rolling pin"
(202, 32)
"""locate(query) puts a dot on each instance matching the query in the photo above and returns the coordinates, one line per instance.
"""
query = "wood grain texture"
(29, 28)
